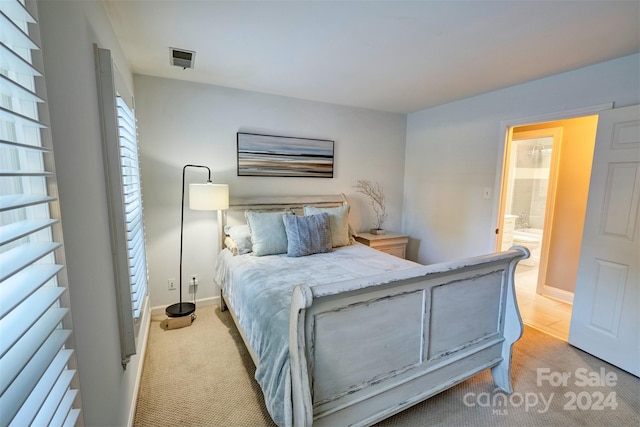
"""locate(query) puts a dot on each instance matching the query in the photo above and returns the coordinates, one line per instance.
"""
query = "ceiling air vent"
(182, 58)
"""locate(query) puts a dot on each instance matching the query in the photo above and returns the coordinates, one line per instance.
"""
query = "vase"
(378, 231)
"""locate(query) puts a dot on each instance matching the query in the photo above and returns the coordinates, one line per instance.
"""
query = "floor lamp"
(202, 197)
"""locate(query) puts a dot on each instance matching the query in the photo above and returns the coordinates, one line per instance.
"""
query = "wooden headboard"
(235, 214)
(286, 202)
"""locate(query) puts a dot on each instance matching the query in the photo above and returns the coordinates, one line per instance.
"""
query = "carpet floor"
(202, 375)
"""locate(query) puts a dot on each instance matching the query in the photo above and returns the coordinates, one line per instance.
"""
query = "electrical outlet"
(172, 284)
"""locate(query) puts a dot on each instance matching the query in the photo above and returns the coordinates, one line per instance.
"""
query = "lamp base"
(180, 309)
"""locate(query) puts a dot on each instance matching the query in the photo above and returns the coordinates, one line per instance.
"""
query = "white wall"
(452, 154)
(189, 123)
(69, 30)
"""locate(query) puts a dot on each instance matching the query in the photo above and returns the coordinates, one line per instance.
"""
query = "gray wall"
(69, 30)
(454, 151)
(190, 123)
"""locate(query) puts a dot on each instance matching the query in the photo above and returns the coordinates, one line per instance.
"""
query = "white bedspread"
(258, 289)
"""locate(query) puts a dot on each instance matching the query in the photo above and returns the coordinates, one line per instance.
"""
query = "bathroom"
(530, 188)
(544, 197)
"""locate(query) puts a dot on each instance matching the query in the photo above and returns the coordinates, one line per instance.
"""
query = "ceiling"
(396, 56)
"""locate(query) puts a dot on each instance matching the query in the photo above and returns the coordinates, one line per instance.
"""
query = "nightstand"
(391, 243)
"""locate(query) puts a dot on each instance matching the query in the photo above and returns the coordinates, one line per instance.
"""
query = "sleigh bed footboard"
(363, 351)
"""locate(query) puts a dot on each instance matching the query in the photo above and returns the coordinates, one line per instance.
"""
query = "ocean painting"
(267, 155)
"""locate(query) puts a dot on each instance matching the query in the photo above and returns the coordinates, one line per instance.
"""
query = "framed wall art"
(268, 155)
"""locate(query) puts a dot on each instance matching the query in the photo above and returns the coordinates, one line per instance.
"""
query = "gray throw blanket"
(258, 289)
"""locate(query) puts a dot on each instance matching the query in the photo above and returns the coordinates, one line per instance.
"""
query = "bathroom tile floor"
(543, 313)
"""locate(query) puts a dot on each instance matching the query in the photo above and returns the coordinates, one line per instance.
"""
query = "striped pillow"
(307, 235)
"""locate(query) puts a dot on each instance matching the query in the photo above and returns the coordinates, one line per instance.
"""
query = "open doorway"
(545, 183)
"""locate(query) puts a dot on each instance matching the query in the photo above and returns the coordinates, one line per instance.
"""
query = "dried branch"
(375, 193)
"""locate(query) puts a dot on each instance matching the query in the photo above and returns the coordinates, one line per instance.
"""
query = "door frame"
(505, 129)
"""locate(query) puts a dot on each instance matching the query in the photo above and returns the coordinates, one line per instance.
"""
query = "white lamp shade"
(208, 197)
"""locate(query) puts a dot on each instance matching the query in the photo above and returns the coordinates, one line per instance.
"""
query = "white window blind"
(132, 206)
(38, 385)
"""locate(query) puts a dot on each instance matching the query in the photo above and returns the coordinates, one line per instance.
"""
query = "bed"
(350, 335)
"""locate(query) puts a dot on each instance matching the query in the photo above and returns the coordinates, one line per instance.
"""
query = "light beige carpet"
(202, 375)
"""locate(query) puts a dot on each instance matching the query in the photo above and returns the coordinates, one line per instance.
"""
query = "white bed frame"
(361, 353)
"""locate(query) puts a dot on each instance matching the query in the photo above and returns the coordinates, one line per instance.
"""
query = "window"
(125, 201)
(132, 206)
(38, 384)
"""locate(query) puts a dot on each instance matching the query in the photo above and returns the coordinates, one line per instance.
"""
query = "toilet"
(531, 239)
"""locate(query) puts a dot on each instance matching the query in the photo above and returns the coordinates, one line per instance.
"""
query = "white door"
(606, 308)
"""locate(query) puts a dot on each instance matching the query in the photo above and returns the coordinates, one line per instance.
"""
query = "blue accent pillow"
(268, 236)
(307, 235)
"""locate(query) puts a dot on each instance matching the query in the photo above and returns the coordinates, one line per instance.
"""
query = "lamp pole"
(184, 309)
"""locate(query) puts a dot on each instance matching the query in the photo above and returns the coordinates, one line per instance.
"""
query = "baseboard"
(155, 311)
(559, 294)
(143, 338)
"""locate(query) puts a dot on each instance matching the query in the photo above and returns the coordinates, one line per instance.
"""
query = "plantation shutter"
(38, 385)
(124, 199)
(132, 206)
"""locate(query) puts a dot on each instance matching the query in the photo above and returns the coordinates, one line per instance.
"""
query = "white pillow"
(268, 235)
(338, 221)
(241, 236)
